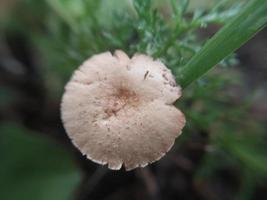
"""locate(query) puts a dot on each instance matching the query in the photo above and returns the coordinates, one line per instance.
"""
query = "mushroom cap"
(119, 111)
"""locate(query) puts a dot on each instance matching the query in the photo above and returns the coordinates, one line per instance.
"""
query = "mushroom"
(119, 110)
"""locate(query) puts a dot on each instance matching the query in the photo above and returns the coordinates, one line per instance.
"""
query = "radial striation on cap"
(119, 111)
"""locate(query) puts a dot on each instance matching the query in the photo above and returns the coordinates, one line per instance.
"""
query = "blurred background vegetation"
(222, 152)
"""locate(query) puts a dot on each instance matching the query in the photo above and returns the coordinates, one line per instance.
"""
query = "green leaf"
(241, 28)
(248, 147)
(33, 167)
(252, 156)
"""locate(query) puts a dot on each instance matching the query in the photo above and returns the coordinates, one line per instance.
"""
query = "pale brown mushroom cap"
(118, 111)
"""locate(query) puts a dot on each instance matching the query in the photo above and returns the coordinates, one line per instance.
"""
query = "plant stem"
(234, 34)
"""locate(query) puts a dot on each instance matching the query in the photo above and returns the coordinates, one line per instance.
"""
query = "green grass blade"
(241, 28)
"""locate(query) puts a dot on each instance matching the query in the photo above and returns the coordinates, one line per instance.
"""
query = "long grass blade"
(251, 19)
